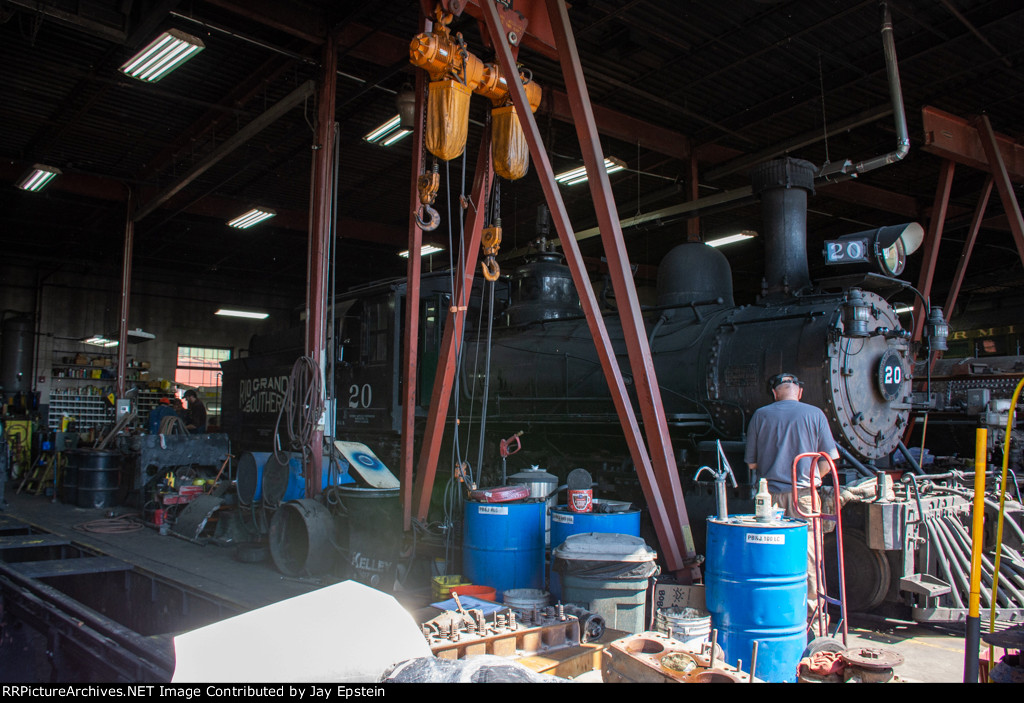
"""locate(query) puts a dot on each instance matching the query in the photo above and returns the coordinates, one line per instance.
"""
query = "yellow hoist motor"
(455, 75)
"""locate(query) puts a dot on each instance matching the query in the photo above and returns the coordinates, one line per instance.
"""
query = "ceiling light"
(252, 217)
(388, 133)
(99, 340)
(163, 55)
(903, 309)
(579, 175)
(731, 239)
(242, 313)
(38, 177)
(425, 250)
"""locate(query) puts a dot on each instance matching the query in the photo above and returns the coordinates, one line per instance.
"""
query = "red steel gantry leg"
(1002, 181)
(426, 469)
(659, 478)
(412, 308)
(965, 255)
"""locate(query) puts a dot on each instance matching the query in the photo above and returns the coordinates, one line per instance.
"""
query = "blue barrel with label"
(503, 545)
(565, 522)
(756, 590)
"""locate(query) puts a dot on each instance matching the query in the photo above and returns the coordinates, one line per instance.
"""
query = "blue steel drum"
(565, 524)
(503, 545)
(281, 483)
(756, 590)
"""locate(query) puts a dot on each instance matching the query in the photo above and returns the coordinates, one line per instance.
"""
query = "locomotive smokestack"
(783, 186)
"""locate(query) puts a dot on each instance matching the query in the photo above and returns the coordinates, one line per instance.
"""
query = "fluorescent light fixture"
(731, 239)
(99, 340)
(425, 250)
(38, 177)
(388, 133)
(903, 309)
(579, 175)
(163, 55)
(252, 217)
(242, 313)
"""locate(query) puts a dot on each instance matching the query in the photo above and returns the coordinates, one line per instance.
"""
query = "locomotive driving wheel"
(868, 575)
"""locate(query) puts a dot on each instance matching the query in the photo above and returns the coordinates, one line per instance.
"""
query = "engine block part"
(503, 636)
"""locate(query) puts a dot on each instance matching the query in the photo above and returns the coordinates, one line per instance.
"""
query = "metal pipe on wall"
(126, 287)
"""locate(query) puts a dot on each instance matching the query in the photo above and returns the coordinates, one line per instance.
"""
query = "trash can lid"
(605, 546)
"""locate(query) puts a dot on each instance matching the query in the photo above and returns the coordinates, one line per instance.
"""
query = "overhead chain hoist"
(490, 237)
(490, 241)
(455, 74)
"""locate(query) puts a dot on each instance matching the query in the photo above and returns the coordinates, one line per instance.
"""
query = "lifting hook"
(491, 270)
(429, 220)
(428, 184)
(490, 241)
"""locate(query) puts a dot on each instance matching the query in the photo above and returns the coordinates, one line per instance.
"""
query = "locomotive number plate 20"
(890, 375)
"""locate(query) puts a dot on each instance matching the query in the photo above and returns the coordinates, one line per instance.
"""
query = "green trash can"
(608, 574)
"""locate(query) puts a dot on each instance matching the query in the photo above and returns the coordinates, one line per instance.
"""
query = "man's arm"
(823, 465)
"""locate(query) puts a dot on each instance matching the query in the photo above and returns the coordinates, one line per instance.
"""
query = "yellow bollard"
(972, 638)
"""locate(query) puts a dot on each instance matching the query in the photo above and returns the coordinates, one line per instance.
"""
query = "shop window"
(200, 366)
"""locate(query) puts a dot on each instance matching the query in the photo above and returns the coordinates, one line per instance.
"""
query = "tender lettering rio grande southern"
(261, 395)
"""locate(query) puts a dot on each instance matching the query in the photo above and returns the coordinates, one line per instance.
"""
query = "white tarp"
(342, 633)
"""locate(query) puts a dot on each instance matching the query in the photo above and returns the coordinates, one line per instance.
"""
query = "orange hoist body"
(455, 74)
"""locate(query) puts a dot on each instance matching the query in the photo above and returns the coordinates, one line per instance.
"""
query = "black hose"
(861, 469)
(914, 466)
(487, 385)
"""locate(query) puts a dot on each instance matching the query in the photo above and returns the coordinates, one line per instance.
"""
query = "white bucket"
(687, 625)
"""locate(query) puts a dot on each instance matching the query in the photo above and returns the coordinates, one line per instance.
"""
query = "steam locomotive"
(712, 359)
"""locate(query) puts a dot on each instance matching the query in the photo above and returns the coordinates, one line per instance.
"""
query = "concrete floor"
(932, 655)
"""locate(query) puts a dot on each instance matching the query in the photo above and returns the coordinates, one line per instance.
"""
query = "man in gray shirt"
(777, 434)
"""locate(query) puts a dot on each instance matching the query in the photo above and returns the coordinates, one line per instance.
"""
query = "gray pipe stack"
(783, 186)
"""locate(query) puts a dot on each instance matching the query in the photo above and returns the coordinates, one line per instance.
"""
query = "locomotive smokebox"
(783, 186)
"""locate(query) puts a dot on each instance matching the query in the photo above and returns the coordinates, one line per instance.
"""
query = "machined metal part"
(1010, 638)
(592, 625)
(873, 658)
(450, 636)
(652, 657)
(870, 664)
